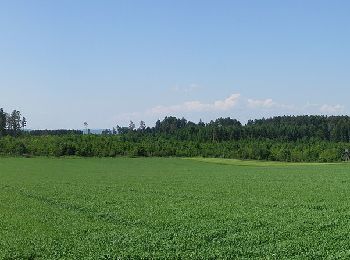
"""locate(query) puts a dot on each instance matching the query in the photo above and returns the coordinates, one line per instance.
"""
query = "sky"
(108, 62)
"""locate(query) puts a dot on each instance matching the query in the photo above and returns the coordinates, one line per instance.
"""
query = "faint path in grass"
(255, 163)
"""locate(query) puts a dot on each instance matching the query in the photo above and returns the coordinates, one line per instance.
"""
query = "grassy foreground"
(172, 208)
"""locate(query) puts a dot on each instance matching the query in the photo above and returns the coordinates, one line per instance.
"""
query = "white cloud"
(197, 106)
(270, 105)
(261, 103)
(325, 108)
(226, 104)
(244, 108)
(332, 109)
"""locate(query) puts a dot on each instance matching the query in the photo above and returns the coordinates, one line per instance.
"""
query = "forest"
(283, 138)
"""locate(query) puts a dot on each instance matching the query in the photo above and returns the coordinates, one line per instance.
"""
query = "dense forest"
(285, 138)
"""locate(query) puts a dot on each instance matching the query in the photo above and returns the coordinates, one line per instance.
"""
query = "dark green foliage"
(288, 138)
(11, 124)
(132, 145)
(2, 122)
(285, 128)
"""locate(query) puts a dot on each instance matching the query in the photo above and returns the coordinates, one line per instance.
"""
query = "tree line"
(282, 128)
(284, 138)
(11, 123)
(312, 150)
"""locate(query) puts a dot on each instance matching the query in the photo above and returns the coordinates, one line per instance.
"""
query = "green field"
(172, 208)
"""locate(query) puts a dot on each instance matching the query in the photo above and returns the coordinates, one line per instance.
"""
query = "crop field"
(142, 208)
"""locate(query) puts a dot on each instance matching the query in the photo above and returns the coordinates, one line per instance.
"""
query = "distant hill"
(48, 131)
(95, 131)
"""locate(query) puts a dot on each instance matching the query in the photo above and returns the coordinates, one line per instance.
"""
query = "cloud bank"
(261, 103)
(237, 105)
(332, 109)
(197, 106)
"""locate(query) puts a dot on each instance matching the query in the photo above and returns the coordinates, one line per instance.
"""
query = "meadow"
(171, 208)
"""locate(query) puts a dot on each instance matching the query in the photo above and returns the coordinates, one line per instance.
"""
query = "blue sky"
(106, 62)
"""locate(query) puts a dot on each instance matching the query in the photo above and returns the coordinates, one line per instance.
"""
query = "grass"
(172, 208)
(258, 163)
